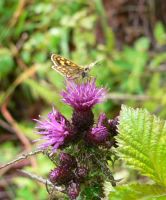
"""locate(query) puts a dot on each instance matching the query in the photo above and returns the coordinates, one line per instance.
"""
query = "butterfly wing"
(66, 67)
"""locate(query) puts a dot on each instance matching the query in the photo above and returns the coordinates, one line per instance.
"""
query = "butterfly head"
(85, 72)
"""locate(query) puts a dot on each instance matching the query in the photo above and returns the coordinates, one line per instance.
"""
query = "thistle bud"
(73, 190)
(61, 175)
(68, 160)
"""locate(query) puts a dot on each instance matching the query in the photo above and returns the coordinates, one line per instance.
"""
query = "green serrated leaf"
(142, 143)
(138, 192)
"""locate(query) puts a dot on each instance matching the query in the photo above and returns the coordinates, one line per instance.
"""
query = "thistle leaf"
(142, 143)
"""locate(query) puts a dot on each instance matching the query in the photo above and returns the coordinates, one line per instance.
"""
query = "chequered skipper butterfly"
(69, 69)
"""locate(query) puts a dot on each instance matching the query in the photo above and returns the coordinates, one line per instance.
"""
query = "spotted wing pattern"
(66, 67)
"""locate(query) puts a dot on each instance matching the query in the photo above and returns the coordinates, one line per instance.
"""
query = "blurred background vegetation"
(128, 35)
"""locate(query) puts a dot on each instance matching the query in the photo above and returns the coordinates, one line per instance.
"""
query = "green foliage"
(136, 60)
(142, 141)
(93, 192)
(141, 144)
(6, 62)
(8, 151)
(160, 34)
(39, 91)
(28, 188)
(138, 191)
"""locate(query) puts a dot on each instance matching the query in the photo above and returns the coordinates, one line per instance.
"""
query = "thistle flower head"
(55, 130)
(98, 135)
(83, 96)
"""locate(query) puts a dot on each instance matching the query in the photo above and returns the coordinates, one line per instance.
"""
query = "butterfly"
(69, 69)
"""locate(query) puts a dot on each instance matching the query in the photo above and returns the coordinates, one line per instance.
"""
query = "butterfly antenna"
(94, 63)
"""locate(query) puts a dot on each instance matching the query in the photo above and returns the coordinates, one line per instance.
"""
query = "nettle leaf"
(142, 143)
(139, 192)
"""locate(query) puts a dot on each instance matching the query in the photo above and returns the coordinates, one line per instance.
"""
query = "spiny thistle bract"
(81, 145)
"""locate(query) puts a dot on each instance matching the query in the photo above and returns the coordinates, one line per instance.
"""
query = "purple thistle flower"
(98, 135)
(55, 131)
(84, 96)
